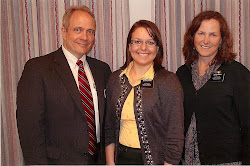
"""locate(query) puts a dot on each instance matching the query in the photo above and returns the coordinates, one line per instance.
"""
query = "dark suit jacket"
(50, 116)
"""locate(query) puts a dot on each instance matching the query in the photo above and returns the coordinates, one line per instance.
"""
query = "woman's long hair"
(225, 52)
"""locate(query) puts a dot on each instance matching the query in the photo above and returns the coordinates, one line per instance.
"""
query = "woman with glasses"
(144, 118)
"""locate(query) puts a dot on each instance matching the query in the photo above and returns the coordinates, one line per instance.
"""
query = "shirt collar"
(149, 75)
(72, 59)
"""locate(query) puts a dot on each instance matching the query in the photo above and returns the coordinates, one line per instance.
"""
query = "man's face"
(80, 36)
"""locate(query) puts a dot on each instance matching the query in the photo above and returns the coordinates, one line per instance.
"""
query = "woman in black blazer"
(216, 90)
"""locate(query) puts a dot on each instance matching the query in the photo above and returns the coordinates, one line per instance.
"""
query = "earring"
(220, 46)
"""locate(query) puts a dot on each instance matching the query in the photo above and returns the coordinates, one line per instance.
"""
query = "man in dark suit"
(52, 123)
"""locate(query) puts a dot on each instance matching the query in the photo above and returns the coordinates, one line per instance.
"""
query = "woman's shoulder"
(114, 76)
(164, 76)
(235, 67)
(116, 73)
(163, 73)
(183, 68)
(183, 72)
(167, 81)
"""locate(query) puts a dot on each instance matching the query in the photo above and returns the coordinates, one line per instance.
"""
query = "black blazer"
(222, 114)
(50, 116)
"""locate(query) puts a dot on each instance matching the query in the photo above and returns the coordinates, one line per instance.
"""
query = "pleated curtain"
(32, 28)
(173, 17)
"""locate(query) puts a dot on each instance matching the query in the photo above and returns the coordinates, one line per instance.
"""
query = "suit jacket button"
(85, 154)
(86, 131)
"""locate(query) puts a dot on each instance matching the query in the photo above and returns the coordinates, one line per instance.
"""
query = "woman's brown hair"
(153, 32)
(225, 52)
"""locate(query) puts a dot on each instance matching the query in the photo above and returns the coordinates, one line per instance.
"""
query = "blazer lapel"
(65, 73)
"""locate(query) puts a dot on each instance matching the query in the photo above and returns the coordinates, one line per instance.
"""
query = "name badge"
(147, 83)
(217, 76)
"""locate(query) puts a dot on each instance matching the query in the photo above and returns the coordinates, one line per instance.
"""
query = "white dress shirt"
(74, 68)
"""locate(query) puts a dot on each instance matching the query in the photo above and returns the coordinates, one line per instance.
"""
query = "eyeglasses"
(139, 43)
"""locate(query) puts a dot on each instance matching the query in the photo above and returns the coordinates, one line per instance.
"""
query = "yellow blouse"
(128, 128)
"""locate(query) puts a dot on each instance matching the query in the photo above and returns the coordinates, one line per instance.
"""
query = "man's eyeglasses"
(139, 43)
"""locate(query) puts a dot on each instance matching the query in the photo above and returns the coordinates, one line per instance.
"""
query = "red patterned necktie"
(88, 105)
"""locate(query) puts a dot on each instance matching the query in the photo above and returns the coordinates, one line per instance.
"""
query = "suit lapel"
(62, 67)
(99, 86)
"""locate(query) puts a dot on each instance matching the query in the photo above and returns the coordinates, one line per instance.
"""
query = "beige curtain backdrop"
(31, 28)
(173, 16)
